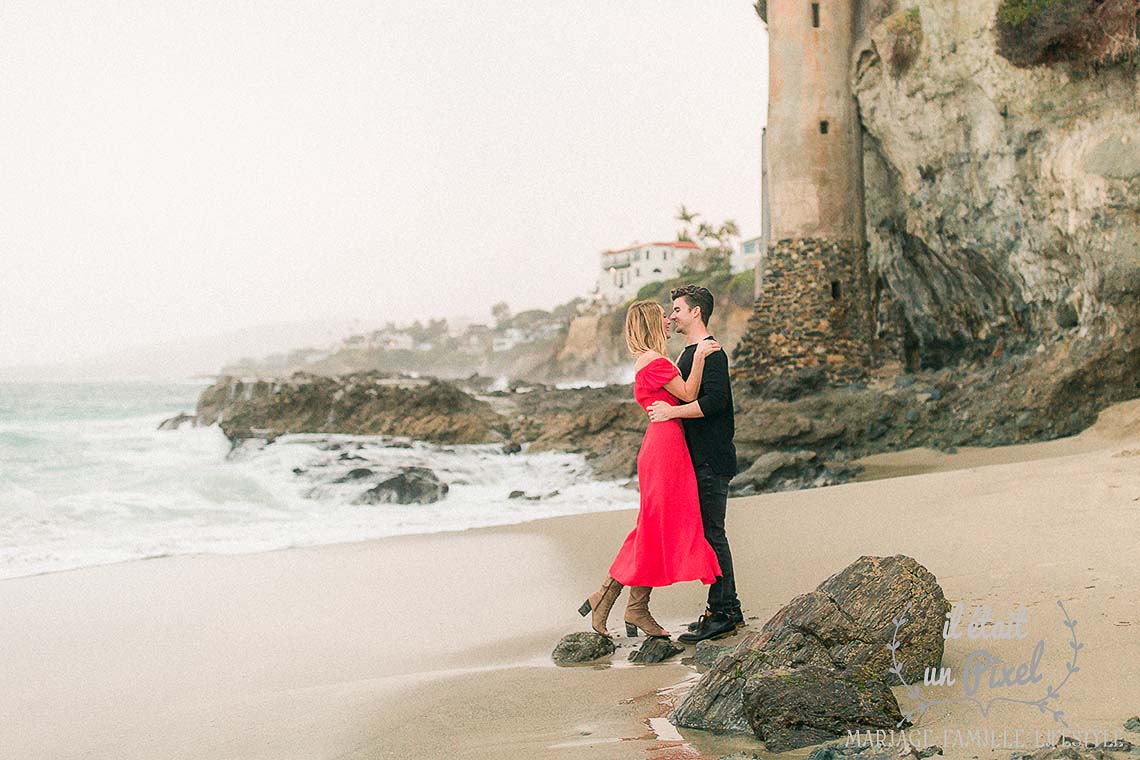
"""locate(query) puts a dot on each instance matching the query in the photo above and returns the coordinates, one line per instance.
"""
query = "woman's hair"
(645, 327)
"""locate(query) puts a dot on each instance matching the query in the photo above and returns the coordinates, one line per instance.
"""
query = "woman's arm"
(686, 390)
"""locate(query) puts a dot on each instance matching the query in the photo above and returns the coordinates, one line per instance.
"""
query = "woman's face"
(665, 321)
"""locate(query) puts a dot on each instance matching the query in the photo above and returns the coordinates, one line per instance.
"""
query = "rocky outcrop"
(584, 646)
(844, 625)
(790, 470)
(788, 708)
(360, 404)
(1002, 203)
(655, 649)
(609, 436)
(411, 485)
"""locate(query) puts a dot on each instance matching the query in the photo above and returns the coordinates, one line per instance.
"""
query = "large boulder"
(412, 485)
(845, 625)
(790, 708)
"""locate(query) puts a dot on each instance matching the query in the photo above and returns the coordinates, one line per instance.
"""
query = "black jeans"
(713, 492)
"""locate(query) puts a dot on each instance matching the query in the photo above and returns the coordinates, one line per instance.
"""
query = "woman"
(668, 544)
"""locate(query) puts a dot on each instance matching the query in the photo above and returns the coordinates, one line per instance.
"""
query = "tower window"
(823, 127)
(835, 289)
(815, 15)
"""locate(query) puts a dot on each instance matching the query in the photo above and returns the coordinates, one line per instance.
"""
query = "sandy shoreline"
(438, 645)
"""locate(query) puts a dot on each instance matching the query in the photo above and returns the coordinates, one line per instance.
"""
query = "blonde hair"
(645, 327)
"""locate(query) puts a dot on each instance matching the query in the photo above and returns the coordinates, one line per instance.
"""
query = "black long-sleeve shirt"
(710, 437)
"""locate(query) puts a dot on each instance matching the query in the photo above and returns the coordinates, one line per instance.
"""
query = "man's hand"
(660, 411)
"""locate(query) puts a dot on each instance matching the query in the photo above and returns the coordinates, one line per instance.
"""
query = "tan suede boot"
(637, 614)
(600, 603)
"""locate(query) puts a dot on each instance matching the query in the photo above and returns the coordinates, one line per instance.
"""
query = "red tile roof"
(671, 244)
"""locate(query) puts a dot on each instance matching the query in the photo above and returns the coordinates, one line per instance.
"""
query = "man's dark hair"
(695, 295)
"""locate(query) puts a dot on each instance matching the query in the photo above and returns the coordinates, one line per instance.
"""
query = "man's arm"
(713, 398)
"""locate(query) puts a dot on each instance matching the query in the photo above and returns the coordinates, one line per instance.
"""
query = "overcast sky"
(174, 170)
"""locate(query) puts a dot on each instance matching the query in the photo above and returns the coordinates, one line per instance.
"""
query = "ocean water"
(86, 478)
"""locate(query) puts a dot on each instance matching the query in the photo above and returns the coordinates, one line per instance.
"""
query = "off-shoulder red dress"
(668, 545)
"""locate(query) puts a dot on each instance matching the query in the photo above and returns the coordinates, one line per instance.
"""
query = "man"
(709, 429)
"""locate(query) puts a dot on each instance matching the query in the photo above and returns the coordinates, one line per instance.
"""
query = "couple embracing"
(683, 468)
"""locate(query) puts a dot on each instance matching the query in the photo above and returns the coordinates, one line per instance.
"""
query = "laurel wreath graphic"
(1042, 704)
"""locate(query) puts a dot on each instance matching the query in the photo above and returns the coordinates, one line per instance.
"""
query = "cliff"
(1002, 202)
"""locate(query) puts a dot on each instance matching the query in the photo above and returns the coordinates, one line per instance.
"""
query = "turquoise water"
(86, 478)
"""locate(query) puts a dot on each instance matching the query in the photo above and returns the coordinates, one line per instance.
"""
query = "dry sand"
(438, 646)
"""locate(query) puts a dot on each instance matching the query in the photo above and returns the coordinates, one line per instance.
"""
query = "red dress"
(668, 545)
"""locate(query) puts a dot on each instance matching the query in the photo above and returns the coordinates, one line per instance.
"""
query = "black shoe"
(737, 617)
(712, 626)
(698, 622)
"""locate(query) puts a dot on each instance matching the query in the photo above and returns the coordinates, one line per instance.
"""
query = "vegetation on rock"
(905, 29)
(1035, 32)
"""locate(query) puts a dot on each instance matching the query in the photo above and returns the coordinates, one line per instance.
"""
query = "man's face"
(682, 315)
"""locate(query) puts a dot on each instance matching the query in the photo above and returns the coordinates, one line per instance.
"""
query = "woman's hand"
(660, 411)
(706, 347)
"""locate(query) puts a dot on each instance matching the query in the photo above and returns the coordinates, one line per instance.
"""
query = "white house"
(624, 271)
(748, 255)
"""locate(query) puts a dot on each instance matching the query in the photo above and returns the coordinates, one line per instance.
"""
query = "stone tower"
(814, 307)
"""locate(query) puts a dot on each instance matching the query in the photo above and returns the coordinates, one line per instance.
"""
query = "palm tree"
(684, 215)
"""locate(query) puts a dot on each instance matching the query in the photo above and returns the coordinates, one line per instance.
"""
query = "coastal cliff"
(1002, 202)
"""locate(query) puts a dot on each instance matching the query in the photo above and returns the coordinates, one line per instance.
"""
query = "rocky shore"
(796, 433)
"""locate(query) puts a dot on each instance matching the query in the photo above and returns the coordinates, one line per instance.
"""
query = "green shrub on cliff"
(1034, 32)
(906, 40)
(738, 288)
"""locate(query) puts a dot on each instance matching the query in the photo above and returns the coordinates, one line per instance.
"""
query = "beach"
(439, 645)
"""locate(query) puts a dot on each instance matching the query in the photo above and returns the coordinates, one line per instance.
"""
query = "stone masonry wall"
(814, 311)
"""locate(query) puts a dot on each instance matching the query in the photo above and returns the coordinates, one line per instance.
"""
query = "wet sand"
(438, 646)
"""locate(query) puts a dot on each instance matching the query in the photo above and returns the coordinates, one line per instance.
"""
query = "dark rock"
(794, 384)
(1067, 315)
(177, 421)
(298, 470)
(760, 474)
(791, 708)
(511, 447)
(517, 494)
(412, 485)
(655, 649)
(346, 457)
(708, 652)
(904, 381)
(1133, 724)
(358, 473)
(912, 415)
(845, 624)
(584, 646)
(785, 470)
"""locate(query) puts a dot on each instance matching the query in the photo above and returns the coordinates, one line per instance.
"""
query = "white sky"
(175, 170)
